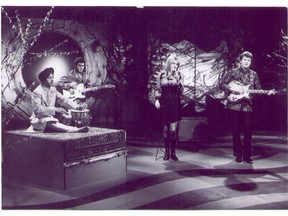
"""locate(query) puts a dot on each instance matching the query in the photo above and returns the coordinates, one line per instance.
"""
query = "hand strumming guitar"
(236, 89)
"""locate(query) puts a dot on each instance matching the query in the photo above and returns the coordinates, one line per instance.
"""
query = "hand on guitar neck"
(271, 92)
(79, 91)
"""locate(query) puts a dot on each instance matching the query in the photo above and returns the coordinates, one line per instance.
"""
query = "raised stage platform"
(64, 160)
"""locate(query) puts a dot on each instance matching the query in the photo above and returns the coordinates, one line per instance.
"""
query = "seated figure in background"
(76, 76)
(44, 100)
(76, 85)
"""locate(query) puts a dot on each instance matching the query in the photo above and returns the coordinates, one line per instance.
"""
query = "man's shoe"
(238, 160)
(248, 160)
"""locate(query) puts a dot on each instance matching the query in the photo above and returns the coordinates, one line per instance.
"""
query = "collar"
(45, 88)
(77, 72)
(245, 70)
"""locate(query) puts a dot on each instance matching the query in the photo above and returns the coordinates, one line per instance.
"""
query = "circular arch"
(15, 95)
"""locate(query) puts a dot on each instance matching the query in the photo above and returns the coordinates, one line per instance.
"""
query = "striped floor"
(207, 179)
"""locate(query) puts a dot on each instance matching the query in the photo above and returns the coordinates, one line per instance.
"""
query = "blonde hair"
(172, 58)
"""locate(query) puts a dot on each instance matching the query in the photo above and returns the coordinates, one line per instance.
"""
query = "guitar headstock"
(281, 91)
(273, 91)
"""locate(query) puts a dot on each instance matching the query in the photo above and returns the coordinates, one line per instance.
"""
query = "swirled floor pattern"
(206, 179)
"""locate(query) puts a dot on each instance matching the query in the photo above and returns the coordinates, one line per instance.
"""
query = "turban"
(45, 74)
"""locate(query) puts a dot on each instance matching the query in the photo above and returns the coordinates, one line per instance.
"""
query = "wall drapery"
(202, 71)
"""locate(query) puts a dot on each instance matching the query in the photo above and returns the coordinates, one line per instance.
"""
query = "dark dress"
(170, 99)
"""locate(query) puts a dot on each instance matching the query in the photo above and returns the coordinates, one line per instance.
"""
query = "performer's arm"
(67, 82)
(257, 84)
(181, 81)
(228, 77)
(158, 91)
(39, 109)
(87, 82)
(65, 102)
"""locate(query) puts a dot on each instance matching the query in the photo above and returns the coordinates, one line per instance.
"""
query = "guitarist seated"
(76, 86)
(73, 78)
(239, 84)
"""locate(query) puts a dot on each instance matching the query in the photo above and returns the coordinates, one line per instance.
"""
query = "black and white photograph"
(144, 107)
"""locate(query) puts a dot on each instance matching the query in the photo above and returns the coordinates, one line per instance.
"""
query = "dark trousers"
(241, 121)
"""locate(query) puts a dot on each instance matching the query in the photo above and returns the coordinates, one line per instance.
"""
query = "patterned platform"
(64, 160)
(96, 142)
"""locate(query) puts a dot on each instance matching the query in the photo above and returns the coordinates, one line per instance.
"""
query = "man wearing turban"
(44, 100)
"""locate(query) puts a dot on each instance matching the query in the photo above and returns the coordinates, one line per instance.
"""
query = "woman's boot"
(173, 152)
(166, 155)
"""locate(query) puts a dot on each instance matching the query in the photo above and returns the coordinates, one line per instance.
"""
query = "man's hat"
(43, 75)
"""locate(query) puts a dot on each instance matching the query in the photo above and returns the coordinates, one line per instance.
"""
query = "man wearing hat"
(44, 99)
(240, 111)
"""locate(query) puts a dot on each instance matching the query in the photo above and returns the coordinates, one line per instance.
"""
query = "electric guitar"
(79, 91)
(237, 86)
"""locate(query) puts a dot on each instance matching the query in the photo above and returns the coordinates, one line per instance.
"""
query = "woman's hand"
(157, 104)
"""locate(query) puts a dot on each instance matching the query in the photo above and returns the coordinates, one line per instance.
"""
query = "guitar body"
(238, 86)
(75, 93)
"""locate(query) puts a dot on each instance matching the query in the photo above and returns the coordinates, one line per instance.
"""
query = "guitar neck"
(258, 91)
(97, 88)
(91, 89)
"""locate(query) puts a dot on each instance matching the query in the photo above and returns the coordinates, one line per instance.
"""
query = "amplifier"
(192, 129)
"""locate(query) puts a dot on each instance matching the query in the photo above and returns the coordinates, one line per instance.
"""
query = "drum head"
(79, 111)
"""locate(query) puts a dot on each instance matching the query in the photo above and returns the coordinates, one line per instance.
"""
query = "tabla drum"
(81, 118)
(65, 119)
